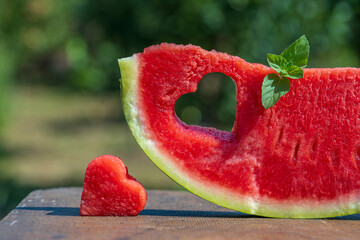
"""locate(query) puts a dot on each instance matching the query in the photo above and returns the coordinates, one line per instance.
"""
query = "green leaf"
(288, 64)
(273, 87)
(294, 72)
(283, 67)
(298, 52)
(277, 62)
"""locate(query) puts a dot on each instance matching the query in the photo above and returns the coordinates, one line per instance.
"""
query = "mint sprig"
(288, 64)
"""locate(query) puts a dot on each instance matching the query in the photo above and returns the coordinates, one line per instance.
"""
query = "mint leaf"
(284, 67)
(298, 52)
(273, 87)
(288, 64)
(277, 62)
(294, 72)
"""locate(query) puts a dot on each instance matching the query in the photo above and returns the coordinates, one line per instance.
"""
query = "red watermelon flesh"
(300, 158)
(109, 190)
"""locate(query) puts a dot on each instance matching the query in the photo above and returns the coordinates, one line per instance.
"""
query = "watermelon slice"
(298, 159)
(109, 190)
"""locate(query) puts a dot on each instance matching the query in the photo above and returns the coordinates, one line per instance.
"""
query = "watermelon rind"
(345, 205)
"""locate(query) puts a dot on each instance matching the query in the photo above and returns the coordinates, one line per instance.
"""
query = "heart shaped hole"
(212, 105)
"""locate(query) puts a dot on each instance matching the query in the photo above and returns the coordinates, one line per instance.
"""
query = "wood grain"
(54, 214)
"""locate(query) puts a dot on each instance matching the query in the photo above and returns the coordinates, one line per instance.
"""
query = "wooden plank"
(54, 214)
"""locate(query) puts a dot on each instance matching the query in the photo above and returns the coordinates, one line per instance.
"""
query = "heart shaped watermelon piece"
(109, 190)
(298, 159)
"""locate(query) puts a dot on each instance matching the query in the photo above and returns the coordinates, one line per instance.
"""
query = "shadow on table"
(194, 213)
(225, 214)
(74, 211)
(54, 211)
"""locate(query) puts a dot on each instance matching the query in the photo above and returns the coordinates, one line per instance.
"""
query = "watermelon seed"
(357, 156)
(335, 158)
(281, 133)
(296, 151)
(314, 145)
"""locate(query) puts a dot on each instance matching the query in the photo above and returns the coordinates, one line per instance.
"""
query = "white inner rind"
(344, 205)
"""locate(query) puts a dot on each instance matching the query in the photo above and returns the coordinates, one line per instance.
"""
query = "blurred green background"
(60, 105)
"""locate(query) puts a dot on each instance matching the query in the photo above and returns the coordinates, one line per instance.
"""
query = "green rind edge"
(129, 83)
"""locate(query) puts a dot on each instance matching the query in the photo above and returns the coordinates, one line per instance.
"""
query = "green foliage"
(273, 88)
(6, 72)
(75, 44)
(298, 52)
(288, 64)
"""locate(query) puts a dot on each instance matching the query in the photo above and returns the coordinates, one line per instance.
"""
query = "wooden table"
(54, 214)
